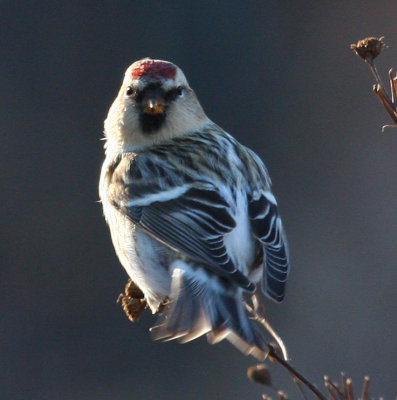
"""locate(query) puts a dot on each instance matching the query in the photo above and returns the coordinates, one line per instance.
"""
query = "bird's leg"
(132, 300)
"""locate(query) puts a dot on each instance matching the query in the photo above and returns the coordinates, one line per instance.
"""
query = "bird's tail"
(202, 304)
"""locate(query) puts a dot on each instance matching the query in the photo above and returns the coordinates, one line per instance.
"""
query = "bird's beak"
(153, 105)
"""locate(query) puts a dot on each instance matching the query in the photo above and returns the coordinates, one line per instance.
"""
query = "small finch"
(190, 210)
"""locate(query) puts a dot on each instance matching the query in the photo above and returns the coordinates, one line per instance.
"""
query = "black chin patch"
(151, 123)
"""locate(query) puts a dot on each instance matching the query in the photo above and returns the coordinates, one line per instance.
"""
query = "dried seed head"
(260, 374)
(368, 48)
(132, 301)
(132, 290)
(282, 395)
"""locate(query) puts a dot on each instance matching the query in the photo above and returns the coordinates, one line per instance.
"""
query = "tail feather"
(200, 305)
(185, 319)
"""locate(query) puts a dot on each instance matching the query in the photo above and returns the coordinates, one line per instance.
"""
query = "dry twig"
(368, 49)
(335, 391)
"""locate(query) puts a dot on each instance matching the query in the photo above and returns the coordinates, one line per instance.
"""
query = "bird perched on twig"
(190, 210)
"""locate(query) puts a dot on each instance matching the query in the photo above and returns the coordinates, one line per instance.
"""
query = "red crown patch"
(154, 69)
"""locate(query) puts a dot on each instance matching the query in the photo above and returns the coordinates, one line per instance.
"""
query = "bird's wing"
(190, 217)
(267, 227)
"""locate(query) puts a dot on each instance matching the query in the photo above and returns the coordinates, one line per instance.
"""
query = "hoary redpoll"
(190, 210)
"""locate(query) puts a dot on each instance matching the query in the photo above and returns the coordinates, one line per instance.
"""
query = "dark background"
(281, 78)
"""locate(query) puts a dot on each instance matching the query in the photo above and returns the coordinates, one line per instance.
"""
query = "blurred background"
(281, 78)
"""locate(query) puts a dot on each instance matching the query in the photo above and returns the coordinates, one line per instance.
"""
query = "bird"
(191, 212)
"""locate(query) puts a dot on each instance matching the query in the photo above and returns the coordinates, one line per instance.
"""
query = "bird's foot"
(132, 300)
(163, 305)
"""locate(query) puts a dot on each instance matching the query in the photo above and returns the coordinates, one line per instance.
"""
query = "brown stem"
(338, 391)
(274, 356)
(365, 395)
(334, 387)
(349, 388)
(344, 385)
(393, 86)
(300, 388)
(375, 72)
(331, 391)
(384, 98)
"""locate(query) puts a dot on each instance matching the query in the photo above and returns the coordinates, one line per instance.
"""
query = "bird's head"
(154, 103)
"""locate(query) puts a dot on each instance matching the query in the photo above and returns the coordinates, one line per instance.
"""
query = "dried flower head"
(260, 374)
(132, 301)
(368, 48)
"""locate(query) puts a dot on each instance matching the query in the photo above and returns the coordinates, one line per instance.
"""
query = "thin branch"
(344, 385)
(331, 391)
(274, 356)
(335, 387)
(365, 393)
(349, 389)
(258, 314)
(393, 85)
(300, 388)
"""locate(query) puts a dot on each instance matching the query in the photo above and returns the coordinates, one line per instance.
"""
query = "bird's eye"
(174, 93)
(130, 91)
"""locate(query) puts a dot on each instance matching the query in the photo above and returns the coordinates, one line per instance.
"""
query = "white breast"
(141, 256)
